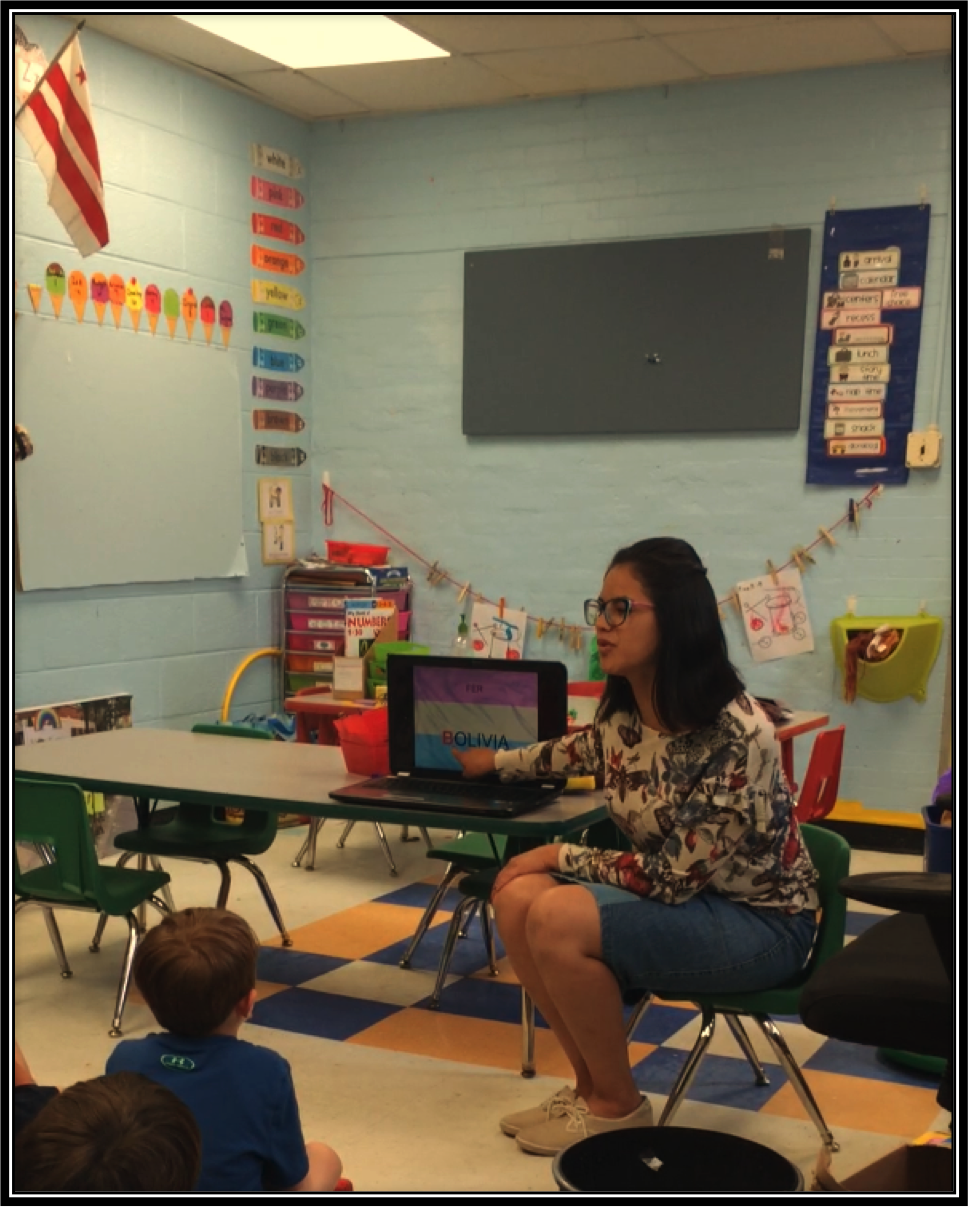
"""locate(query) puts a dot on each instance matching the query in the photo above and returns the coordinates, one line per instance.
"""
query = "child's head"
(120, 1133)
(194, 968)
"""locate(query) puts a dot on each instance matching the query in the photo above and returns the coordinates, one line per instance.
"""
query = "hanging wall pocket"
(884, 658)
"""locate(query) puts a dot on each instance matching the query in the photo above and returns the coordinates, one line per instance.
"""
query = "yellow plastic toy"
(905, 670)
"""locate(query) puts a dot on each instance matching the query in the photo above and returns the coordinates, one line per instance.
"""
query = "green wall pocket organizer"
(905, 671)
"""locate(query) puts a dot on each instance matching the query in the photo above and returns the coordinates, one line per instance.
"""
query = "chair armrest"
(927, 893)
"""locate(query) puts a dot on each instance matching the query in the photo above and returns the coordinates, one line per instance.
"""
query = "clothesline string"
(442, 575)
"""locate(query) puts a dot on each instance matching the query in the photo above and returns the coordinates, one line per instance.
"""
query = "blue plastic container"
(937, 840)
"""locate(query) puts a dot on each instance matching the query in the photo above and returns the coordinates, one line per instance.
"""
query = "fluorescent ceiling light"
(319, 41)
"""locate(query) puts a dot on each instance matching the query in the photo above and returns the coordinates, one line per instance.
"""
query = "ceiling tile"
(917, 33)
(300, 95)
(476, 33)
(420, 84)
(634, 63)
(686, 22)
(831, 42)
(174, 39)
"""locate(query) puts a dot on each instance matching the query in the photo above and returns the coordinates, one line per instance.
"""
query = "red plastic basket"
(348, 553)
(364, 740)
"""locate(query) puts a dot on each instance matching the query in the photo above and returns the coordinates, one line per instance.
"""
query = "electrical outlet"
(924, 449)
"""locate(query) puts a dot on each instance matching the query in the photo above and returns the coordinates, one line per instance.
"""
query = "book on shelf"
(364, 620)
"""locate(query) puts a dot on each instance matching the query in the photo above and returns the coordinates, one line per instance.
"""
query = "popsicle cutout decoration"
(77, 292)
(99, 295)
(135, 302)
(206, 312)
(170, 305)
(116, 294)
(189, 310)
(153, 305)
(56, 286)
(34, 293)
(225, 321)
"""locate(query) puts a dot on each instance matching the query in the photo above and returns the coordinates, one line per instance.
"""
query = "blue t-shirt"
(242, 1098)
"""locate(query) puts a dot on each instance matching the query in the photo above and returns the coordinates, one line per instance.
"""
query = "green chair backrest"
(257, 822)
(55, 815)
(830, 854)
(233, 731)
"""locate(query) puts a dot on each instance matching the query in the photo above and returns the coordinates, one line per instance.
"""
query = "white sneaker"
(512, 1124)
(572, 1122)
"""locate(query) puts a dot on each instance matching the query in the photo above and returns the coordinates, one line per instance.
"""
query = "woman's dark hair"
(694, 678)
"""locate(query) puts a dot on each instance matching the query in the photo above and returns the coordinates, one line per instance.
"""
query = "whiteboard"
(136, 473)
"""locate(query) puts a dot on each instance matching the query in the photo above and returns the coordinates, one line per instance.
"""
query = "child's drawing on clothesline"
(775, 616)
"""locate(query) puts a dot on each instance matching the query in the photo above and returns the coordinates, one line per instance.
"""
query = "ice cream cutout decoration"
(153, 305)
(170, 305)
(56, 286)
(34, 293)
(116, 295)
(99, 294)
(225, 321)
(189, 310)
(206, 312)
(135, 301)
(77, 292)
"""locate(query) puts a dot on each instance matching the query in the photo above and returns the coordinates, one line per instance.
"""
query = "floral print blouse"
(710, 809)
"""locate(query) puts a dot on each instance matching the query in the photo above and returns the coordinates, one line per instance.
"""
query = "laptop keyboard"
(466, 788)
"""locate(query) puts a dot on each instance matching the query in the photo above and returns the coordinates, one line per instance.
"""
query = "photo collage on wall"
(277, 268)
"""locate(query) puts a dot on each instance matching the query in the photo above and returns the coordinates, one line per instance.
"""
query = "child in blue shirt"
(197, 971)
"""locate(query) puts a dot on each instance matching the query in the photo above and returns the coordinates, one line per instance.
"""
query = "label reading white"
(868, 280)
(849, 318)
(863, 335)
(889, 257)
(876, 354)
(873, 447)
(867, 393)
(852, 373)
(902, 299)
(855, 410)
(853, 427)
(851, 299)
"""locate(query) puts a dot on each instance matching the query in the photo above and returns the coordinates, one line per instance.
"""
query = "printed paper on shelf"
(275, 161)
(775, 616)
(364, 619)
(57, 125)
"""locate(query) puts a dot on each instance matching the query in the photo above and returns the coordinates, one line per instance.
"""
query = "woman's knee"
(515, 901)
(565, 920)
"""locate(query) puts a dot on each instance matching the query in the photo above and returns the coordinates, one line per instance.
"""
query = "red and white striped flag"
(56, 122)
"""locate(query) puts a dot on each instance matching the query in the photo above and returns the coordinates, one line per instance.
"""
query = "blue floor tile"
(325, 1015)
(720, 1080)
(419, 895)
(470, 954)
(659, 1022)
(858, 922)
(858, 1060)
(285, 967)
(482, 998)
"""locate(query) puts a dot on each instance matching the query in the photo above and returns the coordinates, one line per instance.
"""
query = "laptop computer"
(437, 705)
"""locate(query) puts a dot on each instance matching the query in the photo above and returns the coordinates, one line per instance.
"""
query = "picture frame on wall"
(278, 542)
(275, 500)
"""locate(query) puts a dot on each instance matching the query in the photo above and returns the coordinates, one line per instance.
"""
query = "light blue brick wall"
(397, 202)
(174, 153)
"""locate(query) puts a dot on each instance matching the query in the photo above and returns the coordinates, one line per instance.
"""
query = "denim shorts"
(708, 943)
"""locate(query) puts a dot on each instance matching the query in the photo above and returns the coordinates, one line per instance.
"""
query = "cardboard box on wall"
(911, 1168)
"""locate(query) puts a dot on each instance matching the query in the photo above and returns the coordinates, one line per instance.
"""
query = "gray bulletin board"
(698, 334)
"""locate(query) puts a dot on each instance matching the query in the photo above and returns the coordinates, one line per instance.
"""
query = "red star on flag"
(81, 75)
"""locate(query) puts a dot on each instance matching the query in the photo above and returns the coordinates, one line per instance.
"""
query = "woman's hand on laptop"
(474, 762)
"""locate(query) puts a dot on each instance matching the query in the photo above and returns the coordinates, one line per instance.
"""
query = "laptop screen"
(439, 705)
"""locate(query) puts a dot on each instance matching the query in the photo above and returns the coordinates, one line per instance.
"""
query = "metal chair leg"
(341, 842)
(735, 1024)
(134, 934)
(99, 931)
(426, 837)
(689, 1069)
(451, 872)
(165, 889)
(472, 909)
(142, 913)
(309, 844)
(527, 1034)
(488, 931)
(637, 1014)
(386, 847)
(406, 836)
(55, 937)
(792, 1070)
(449, 944)
(267, 896)
(224, 886)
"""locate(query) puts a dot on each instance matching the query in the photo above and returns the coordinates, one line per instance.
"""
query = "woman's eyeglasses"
(613, 611)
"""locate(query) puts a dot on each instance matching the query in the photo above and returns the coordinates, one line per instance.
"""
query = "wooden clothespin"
(807, 556)
(463, 592)
(826, 536)
(734, 599)
(797, 559)
(576, 638)
(432, 574)
(771, 570)
(561, 630)
(542, 625)
(722, 614)
(500, 608)
(853, 514)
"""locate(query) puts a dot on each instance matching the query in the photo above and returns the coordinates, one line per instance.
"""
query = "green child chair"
(52, 817)
(194, 832)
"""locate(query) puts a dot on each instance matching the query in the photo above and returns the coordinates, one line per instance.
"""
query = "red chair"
(819, 791)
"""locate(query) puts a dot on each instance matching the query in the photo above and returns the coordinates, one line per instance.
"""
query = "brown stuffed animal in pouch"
(871, 645)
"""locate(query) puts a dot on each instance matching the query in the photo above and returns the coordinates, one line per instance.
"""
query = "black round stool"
(666, 1160)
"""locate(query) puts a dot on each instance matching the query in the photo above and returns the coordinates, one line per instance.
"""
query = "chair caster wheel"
(404, 963)
(527, 1073)
(95, 948)
(115, 1033)
(66, 976)
(433, 1005)
(287, 942)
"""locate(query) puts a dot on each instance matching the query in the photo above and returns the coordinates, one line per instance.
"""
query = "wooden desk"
(786, 731)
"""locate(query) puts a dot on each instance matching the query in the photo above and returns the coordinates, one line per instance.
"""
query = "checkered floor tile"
(341, 980)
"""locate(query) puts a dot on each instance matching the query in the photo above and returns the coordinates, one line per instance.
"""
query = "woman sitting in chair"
(717, 892)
